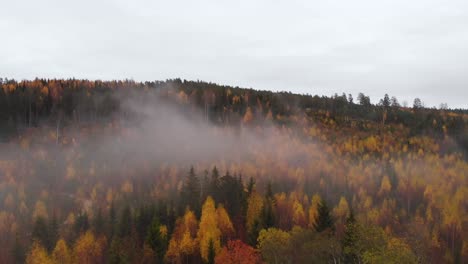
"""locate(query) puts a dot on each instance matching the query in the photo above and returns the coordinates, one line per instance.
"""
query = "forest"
(181, 171)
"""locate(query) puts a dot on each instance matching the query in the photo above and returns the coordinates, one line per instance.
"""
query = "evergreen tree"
(18, 251)
(349, 240)
(267, 210)
(211, 253)
(99, 223)
(253, 234)
(53, 233)
(40, 233)
(81, 223)
(214, 191)
(324, 220)
(155, 240)
(250, 186)
(125, 223)
(116, 253)
(112, 220)
(191, 193)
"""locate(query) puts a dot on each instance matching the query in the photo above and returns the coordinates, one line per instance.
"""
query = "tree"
(350, 239)
(248, 117)
(363, 100)
(254, 209)
(211, 252)
(417, 104)
(125, 223)
(224, 223)
(81, 223)
(208, 231)
(324, 219)
(268, 214)
(237, 252)
(191, 192)
(394, 102)
(88, 249)
(61, 253)
(385, 102)
(18, 251)
(40, 233)
(38, 255)
(313, 209)
(155, 240)
(183, 243)
(273, 244)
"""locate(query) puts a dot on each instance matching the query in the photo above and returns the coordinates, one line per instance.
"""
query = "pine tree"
(18, 251)
(324, 219)
(211, 252)
(350, 239)
(268, 215)
(98, 223)
(155, 240)
(53, 233)
(40, 232)
(125, 223)
(214, 191)
(190, 193)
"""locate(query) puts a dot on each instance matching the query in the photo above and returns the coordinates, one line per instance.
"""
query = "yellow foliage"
(313, 209)
(87, 249)
(38, 255)
(299, 217)
(208, 230)
(254, 209)
(224, 222)
(341, 211)
(40, 210)
(248, 117)
(61, 253)
(385, 186)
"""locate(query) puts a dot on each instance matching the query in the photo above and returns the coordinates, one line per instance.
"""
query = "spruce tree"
(349, 240)
(156, 241)
(211, 253)
(191, 193)
(324, 219)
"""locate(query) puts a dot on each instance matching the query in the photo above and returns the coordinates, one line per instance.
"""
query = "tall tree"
(191, 192)
(156, 240)
(324, 220)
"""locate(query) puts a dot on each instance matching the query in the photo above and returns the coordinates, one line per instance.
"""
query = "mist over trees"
(192, 172)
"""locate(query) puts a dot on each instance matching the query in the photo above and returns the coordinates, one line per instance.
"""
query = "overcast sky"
(408, 49)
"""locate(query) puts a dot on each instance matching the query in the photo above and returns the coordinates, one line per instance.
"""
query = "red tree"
(237, 252)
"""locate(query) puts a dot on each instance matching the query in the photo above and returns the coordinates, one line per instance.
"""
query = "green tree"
(190, 192)
(350, 239)
(324, 220)
(211, 252)
(155, 240)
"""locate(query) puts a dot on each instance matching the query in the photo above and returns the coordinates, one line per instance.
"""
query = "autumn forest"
(184, 171)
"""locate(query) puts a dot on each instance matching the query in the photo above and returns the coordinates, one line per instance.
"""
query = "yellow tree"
(38, 255)
(61, 253)
(224, 223)
(183, 241)
(341, 212)
(208, 230)
(254, 209)
(313, 209)
(248, 117)
(274, 244)
(88, 249)
(299, 218)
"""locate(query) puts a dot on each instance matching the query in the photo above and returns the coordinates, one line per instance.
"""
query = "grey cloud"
(407, 49)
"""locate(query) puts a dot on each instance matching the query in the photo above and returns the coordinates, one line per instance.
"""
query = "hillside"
(188, 172)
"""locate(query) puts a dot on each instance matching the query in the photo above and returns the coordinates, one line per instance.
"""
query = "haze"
(407, 49)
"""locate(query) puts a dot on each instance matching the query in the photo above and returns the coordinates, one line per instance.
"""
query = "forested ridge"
(181, 171)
